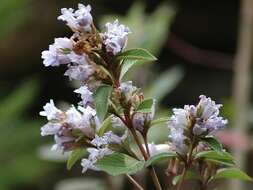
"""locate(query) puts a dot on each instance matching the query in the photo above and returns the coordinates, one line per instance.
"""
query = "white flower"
(207, 107)
(127, 89)
(77, 59)
(50, 129)
(60, 142)
(115, 37)
(141, 119)
(86, 95)
(95, 155)
(88, 164)
(73, 117)
(51, 112)
(157, 149)
(79, 72)
(108, 138)
(79, 20)
(58, 52)
(117, 123)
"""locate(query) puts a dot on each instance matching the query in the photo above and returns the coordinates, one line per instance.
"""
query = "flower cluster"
(78, 127)
(77, 52)
(111, 110)
(200, 120)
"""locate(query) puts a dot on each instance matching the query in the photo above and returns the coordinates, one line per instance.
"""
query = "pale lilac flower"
(58, 52)
(73, 117)
(50, 129)
(60, 142)
(79, 72)
(127, 89)
(207, 107)
(115, 37)
(77, 59)
(51, 112)
(157, 149)
(79, 20)
(108, 138)
(94, 155)
(141, 119)
(86, 95)
(205, 120)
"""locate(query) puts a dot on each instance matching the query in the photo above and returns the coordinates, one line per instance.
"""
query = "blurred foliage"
(139, 23)
(19, 138)
(12, 14)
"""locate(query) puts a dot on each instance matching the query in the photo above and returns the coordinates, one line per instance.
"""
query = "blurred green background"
(195, 41)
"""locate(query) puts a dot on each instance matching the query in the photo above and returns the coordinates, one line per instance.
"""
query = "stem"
(134, 182)
(186, 165)
(146, 156)
(179, 187)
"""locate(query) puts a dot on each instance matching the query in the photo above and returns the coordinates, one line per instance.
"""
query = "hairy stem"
(134, 182)
(180, 184)
(146, 156)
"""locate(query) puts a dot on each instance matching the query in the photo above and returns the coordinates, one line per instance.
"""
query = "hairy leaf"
(101, 97)
(136, 54)
(74, 157)
(118, 163)
(232, 173)
(159, 157)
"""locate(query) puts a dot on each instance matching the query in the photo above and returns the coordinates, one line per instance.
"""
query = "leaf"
(221, 157)
(145, 106)
(118, 163)
(74, 157)
(165, 83)
(126, 65)
(157, 158)
(232, 173)
(159, 121)
(213, 143)
(101, 97)
(189, 175)
(18, 101)
(105, 125)
(136, 54)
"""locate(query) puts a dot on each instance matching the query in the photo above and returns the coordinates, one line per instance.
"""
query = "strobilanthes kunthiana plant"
(113, 114)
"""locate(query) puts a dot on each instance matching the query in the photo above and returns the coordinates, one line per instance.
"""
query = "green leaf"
(126, 65)
(159, 121)
(165, 83)
(18, 100)
(74, 157)
(232, 173)
(189, 175)
(118, 163)
(213, 143)
(157, 158)
(136, 54)
(101, 97)
(145, 106)
(221, 157)
(107, 123)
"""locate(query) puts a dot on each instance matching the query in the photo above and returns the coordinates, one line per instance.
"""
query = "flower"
(142, 120)
(108, 138)
(58, 52)
(94, 156)
(79, 20)
(79, 72)
(51, 112)
(200, 120)
(127, 89)
(157, 149)
(115, 37)
(86, 95)
(208, 120)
